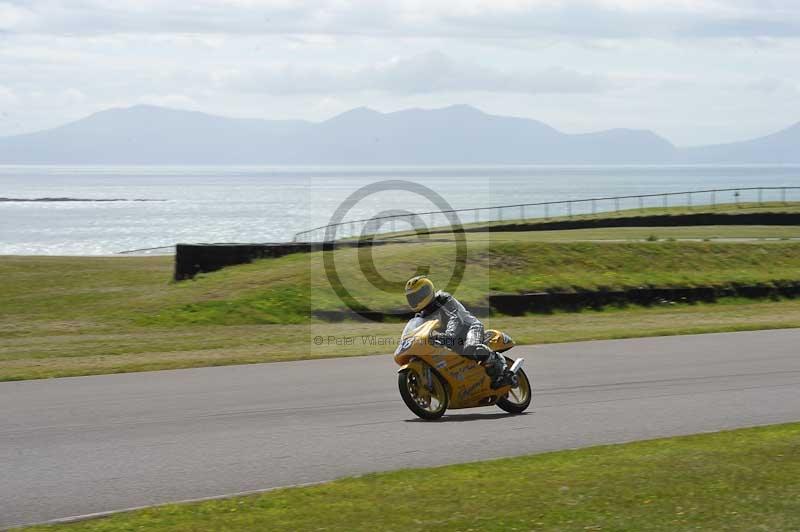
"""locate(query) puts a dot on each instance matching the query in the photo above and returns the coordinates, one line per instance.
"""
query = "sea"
(158, 206)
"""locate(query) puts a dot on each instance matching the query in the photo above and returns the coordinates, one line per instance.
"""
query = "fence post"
(641, 204)
(546, 211)
(714, 199)
(616, 204)
(477, 215)
(783, 195)
(594, 206)
(760, 196)
(569, 209)
(500, 214)
(689, 200)
(522, 212)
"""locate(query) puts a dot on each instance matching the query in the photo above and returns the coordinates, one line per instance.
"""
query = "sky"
(693, 71)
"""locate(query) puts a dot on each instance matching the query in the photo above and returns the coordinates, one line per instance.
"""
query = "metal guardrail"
(146, 251)
(546, 210)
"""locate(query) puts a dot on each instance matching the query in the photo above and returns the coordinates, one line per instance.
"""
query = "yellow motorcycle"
(432, 378)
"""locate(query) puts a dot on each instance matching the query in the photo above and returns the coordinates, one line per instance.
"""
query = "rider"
(460, 330)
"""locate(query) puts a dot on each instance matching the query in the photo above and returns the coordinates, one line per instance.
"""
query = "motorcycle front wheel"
(518, 399)
(423, 392)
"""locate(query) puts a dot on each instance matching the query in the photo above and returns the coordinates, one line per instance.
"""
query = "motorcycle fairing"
(467, 382)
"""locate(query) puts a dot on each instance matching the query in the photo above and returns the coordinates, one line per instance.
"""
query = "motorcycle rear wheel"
(426, 403)
(518, 399)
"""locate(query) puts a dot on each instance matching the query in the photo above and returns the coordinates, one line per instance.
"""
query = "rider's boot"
(495, 367)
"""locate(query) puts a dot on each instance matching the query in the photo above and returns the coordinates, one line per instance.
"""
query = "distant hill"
(782, 147)
(458, 134)
(146, 134)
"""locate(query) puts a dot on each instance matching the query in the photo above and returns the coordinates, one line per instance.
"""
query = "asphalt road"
(90, 444)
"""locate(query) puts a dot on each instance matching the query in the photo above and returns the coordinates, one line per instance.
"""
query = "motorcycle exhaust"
(517, 365)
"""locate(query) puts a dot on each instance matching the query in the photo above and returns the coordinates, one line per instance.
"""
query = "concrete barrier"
(399, 314)
(546, 302)
(543, 302)
(191, 259)
(666, 220)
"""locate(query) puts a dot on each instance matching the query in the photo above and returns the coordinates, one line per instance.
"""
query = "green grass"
(742, 480)
(61, 293)
(136, 348)
(286, 290)
(64, 316)
(44, 295)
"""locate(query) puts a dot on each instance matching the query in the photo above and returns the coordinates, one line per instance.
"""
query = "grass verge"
(65, 316)
(75, 293)
(125, 349)
(744, 480)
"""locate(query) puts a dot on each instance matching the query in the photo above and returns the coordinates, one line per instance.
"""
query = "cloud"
(586, 64)
(771, 85)
(178, 101)
(7, 94)
(444, 18)
(431, 72)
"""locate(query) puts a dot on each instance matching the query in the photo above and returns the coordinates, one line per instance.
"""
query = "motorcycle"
(433, 379)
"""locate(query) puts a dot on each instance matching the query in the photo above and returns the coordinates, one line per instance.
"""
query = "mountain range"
(457, 134)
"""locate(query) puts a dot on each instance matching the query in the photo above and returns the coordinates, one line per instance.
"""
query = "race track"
(91, 444)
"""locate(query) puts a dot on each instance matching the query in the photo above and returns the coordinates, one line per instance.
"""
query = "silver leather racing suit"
(460, 330)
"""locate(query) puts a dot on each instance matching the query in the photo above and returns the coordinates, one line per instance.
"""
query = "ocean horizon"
(271, 203)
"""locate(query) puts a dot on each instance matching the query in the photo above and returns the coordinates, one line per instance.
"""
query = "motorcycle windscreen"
(408, 330)
(412, 324)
